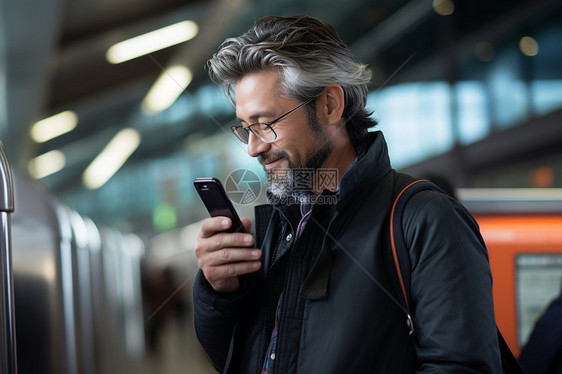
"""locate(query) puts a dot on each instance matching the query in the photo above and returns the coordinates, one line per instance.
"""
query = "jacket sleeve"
(451, 288)
(216, 315)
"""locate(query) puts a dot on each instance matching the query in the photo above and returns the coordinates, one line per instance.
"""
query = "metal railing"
(8, 361)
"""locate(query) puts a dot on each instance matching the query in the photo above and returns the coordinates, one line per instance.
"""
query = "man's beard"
(299, 174)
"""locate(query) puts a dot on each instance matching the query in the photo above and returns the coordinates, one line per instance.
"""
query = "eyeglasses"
(262, 130)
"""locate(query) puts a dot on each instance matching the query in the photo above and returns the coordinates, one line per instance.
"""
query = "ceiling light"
(167, 88)
(54, 126)
(528, 46)
(46, 164)
(111, 158)
(443, 7)
(150, 42)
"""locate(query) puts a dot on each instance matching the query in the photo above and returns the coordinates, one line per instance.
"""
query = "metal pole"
(8, 360)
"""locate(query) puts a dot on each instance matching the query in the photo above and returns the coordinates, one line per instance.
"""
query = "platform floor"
(177, 351)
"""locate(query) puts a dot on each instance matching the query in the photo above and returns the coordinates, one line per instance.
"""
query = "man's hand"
(224, 256)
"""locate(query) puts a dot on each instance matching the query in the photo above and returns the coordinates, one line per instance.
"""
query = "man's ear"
(331, 105)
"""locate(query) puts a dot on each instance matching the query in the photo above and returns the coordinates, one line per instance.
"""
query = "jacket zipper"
(284, 304)
(266, 338)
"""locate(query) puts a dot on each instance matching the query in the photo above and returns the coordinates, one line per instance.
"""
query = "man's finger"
(212, 225)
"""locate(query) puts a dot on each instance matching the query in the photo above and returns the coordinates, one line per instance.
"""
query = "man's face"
(298, 145)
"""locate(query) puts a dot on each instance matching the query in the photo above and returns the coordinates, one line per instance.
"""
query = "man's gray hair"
(309, 56)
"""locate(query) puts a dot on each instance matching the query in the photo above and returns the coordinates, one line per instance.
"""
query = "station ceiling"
(54, 59)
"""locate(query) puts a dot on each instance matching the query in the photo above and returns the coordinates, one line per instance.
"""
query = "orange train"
(523, 232)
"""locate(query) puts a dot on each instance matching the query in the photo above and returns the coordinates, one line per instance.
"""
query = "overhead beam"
(391, 29)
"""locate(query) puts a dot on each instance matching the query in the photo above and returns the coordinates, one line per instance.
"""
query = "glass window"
(472, 111)
(415, 119)
(509, 94)
(547, 74)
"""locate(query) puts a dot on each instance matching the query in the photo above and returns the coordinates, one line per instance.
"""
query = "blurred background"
(107, 115)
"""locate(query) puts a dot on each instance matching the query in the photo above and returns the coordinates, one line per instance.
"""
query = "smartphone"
(217, 202)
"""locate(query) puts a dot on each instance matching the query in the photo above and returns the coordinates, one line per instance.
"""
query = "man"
(311, 289)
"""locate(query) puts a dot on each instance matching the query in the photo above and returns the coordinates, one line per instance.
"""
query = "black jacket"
(337, 285)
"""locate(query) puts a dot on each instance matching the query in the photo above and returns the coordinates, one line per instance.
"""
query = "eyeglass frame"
(269, 125)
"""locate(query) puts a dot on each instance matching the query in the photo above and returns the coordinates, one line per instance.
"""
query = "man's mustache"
(265, 158)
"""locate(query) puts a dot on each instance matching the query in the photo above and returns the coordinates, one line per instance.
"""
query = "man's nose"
(256, 146)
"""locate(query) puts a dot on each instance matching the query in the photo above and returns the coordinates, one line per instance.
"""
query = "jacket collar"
(369, 168)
